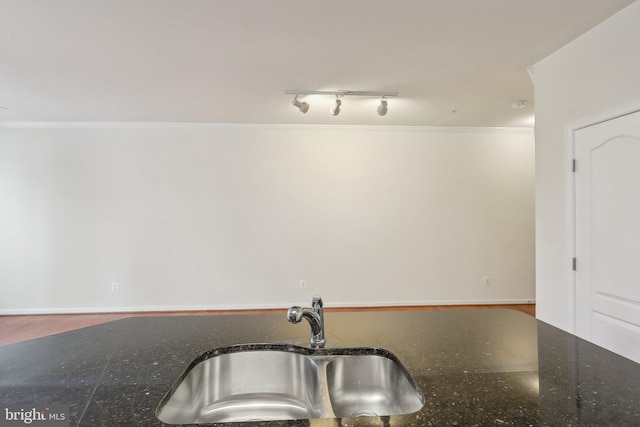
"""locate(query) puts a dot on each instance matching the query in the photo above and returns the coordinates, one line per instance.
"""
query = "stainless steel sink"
(245, 386)
(370, 385)
(261, 382)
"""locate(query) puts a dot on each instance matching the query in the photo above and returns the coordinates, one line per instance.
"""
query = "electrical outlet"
(303, 284)
(486, 280)
(114, 287)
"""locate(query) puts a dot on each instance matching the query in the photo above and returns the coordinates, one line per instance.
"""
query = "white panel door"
(607, 194)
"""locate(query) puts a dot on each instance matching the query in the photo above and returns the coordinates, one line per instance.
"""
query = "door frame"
(570, 186)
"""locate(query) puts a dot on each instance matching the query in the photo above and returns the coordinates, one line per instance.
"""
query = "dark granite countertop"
(474, 367)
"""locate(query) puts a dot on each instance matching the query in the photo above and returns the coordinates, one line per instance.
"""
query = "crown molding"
(249, 126)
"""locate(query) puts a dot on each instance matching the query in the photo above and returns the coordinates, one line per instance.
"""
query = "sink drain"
(363, 413)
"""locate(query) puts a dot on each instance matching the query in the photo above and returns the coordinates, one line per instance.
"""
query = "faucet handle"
(316, 302)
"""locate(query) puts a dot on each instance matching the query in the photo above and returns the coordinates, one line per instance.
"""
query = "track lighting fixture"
(302, 106)
(335, 108)
(382, 108)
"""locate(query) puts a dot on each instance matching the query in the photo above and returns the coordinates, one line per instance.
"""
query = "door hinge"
(573, 165)
(574, 262)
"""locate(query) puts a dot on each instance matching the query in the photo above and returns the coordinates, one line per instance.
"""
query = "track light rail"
(340, 93)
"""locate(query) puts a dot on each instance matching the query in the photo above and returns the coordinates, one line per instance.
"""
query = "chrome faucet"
(315, 317)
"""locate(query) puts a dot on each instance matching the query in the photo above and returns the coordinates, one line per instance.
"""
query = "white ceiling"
(230, 61)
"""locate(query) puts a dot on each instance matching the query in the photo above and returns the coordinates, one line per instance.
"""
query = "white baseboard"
(283, 305)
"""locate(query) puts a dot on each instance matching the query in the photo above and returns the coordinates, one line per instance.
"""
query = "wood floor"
(15, 329)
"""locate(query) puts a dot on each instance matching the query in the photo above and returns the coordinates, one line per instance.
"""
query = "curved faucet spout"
(315, 317)
(295, 315)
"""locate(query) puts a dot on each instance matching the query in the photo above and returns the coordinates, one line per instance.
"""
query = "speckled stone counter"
(474, 367)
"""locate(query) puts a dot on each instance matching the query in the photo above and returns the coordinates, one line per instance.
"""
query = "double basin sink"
(263, 382)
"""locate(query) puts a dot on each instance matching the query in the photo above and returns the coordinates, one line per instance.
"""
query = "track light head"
(335, 109)
(302, 106)
(382, 108)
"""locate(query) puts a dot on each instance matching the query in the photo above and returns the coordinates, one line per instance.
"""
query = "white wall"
(222, 216)
(595, 76)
